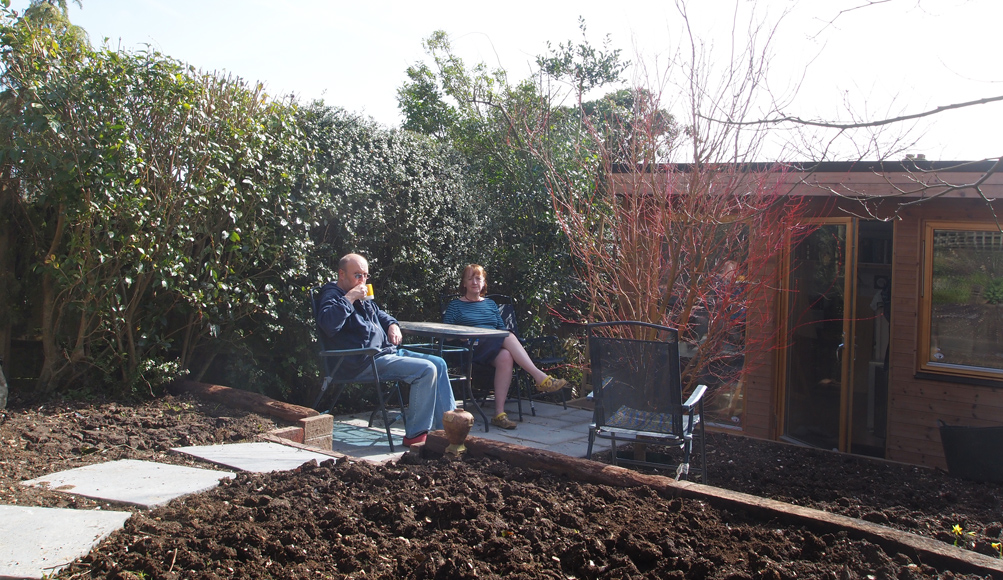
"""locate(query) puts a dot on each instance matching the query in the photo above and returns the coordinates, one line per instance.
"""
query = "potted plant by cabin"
(973, 452)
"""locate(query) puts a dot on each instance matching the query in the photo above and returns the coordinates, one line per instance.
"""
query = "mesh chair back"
(322, 337)
(635, 377)
(507, 312)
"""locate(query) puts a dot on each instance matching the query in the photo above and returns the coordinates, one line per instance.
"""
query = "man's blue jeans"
(431, 394)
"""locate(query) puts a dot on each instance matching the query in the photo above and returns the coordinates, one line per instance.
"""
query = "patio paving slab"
(140, 483)
(554, 428)
(260, 457)
(38, 542)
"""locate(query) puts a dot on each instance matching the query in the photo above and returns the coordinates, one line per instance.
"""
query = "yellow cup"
(369, 292)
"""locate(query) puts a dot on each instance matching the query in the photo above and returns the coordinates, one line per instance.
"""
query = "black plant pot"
(974, 453)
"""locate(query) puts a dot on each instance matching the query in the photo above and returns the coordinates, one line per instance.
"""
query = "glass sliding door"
(838, 309)
(871, 338)
(817, 359)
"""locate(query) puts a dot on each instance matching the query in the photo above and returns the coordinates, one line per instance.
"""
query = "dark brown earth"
(435, 518)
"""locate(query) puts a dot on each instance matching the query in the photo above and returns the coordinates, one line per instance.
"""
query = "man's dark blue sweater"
(347, 326)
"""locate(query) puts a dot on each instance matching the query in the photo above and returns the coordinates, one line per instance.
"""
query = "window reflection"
(966, 300)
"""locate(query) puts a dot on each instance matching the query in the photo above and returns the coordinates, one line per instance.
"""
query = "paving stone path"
(38, 542)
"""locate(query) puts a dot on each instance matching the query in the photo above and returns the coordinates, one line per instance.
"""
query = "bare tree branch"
(863, 124)
(867, 4)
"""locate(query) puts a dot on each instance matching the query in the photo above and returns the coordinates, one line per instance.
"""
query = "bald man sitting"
(350, 322)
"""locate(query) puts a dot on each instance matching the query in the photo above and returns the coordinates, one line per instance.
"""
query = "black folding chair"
(545, 352)
(332, 363)
(638, 394)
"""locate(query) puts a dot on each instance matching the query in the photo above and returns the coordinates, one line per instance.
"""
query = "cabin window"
(962, 306)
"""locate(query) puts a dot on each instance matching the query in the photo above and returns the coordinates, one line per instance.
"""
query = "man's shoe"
(418, 439)
(503, 421)
(551, 384)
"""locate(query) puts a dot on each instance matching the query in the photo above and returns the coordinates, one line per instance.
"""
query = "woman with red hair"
(473, 309)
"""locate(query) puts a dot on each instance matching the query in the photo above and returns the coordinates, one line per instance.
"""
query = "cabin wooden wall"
(915, 404)
(760, 392)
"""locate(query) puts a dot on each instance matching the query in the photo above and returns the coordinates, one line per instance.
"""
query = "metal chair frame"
(647, 395)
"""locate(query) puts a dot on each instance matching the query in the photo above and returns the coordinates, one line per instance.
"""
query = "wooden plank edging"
(239, 399)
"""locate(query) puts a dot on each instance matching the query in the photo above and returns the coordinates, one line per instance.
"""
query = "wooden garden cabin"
(895, 326)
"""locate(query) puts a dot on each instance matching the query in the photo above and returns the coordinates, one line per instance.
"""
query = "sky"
(886, 59)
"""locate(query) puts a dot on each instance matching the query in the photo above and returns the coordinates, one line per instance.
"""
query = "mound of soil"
(436, 518)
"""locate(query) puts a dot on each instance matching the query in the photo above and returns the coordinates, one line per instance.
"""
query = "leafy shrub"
(993, 292)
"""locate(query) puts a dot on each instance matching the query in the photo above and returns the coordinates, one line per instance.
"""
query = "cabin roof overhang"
(909, 179)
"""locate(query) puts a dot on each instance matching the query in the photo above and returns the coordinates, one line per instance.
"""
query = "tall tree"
(687, 245)
(480, 113)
